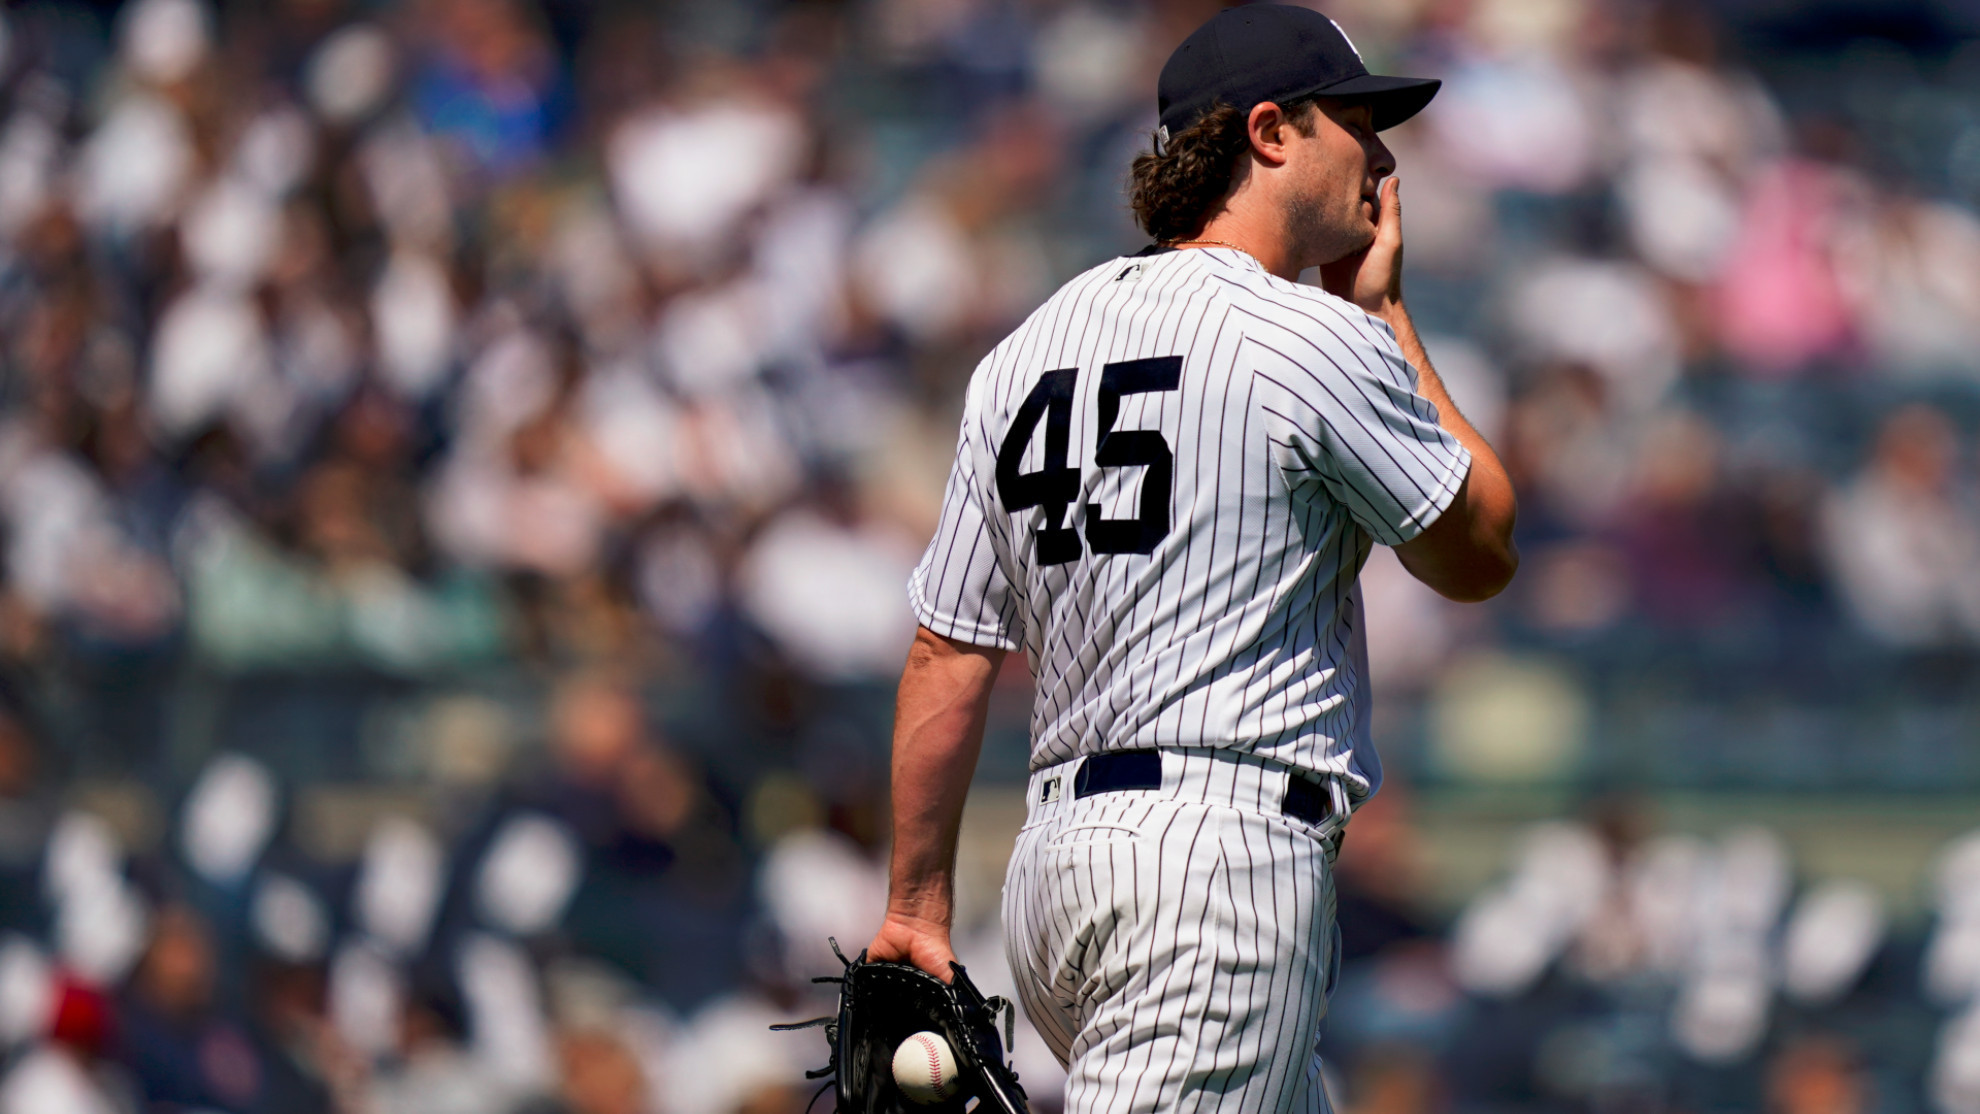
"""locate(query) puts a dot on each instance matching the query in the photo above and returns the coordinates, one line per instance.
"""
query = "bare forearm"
(938, 732)
(1467, 552)
(1431, 386)
(1487, 557)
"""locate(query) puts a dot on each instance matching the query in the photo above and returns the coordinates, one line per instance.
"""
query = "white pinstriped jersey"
(1166, 483)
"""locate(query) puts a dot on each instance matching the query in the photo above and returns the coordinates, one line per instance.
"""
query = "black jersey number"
(1055, 485)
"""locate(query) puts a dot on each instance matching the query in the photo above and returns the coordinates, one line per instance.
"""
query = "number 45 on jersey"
(1055, 486)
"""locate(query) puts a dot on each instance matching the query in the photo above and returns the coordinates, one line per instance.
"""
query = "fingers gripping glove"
(883, 1004)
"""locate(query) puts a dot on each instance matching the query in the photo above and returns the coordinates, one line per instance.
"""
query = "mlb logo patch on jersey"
(1049, 791)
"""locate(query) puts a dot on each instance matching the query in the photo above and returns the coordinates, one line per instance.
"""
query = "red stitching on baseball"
(934, 1064)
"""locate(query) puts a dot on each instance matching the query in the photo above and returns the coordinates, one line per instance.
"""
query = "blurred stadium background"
(460, 462)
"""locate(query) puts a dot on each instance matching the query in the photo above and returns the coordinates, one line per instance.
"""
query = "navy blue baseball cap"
(1277, 52)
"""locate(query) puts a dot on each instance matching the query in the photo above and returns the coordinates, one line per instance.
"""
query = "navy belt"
(1116, 770)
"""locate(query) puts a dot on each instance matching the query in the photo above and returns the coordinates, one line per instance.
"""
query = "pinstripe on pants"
(1175, 947)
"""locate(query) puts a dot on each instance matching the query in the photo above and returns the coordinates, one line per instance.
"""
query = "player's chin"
(1348, 241)
(1357, 218)
(1362, 233)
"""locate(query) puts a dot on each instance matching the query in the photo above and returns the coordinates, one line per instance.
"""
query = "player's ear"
(1267, 125)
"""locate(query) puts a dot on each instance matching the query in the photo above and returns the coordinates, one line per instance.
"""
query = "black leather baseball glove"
(883, 1004)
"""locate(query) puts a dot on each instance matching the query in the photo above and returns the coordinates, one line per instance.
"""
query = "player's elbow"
(1481, 577)
(1466, 555)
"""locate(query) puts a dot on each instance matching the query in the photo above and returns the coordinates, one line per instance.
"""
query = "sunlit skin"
(1303, 200)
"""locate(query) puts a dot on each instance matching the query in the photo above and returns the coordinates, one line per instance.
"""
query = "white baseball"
(925, 1068)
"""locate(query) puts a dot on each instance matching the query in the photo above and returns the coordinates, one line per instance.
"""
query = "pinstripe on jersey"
(1298, 440)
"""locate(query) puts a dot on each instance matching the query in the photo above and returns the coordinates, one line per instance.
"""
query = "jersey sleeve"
(1341, 407)
(960, 589)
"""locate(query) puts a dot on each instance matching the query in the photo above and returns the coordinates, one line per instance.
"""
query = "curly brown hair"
(1174, 188)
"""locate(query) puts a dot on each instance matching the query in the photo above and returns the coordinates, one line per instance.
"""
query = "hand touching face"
(1336, 205)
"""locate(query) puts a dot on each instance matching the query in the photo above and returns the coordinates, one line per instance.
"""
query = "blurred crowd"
(408, 408)
(1618, 967)
(597, 933)
(464, 330)
(587, 937)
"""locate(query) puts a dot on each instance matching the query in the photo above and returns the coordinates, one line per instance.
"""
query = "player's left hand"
(1372, 277)
(881, 1005)
(904, 938)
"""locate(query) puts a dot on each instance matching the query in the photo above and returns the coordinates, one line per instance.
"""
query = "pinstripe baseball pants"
(1176, 947)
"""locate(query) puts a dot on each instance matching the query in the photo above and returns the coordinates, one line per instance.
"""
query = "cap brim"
(1393, 99)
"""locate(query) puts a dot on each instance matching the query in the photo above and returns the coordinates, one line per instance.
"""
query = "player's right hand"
(904, 938)
(1372, 277)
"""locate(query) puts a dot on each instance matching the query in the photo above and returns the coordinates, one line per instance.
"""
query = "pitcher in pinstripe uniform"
(1166, 484)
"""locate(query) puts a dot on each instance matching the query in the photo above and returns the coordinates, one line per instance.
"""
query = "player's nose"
(1381, 162)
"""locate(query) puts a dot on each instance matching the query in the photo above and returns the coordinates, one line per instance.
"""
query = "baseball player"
(1167, 481)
